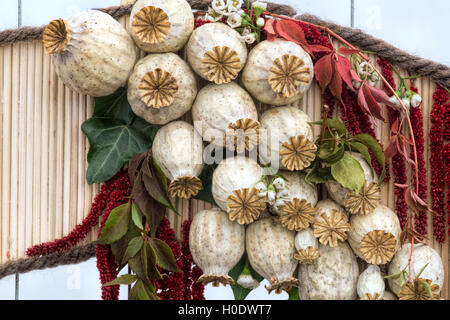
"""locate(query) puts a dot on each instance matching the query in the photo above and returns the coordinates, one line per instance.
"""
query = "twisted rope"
(72, 256)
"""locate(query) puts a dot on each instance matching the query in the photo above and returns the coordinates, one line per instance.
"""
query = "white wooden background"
(408, 24)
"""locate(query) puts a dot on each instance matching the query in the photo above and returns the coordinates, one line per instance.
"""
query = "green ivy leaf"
(349, 173)
(116, 226)
(133, 248)
(114, 106)
(136, 216)
(112, 144)
(376, 149)
(206, 177)
(293, 294)
(164, 255)
(125, 279)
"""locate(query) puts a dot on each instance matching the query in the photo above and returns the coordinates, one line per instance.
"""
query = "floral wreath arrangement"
(266, 221)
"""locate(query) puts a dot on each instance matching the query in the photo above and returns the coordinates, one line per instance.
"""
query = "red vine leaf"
(291, 31)
(324, 71)
(336, 84)
(415, 203)
(319, 48)
(381, 97)
(269, 28)
(343, 67)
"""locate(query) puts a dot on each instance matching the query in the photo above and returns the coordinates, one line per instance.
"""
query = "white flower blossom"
(260, 22)
(261, 186)
(364, 69)
(416, 100)
(234, 5)
(279, 183)
(249, 38)
(259, 4)
(279, 203)
(282, 193)
(234, 21)
(271, 195)
(219, 6)
(406, 103)
(394, 100)
(247, 281)
(212, 15)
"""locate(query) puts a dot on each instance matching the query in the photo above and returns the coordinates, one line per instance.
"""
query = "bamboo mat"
(43, 152)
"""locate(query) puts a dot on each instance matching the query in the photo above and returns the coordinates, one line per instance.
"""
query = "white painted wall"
(419, 27)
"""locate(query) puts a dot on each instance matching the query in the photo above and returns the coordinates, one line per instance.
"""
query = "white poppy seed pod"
(297, 188)
(226, 115)
(217, 244)
(161, 88)
(421, 256)
(233, 188)
(287, 133)
(332, 277)
(370, 283)
(161, 25)
(92, 53)
(331, 223)
(127, 2)
(307, 247)
(278, 72)
(363, 202)
(376, 237)
(216, 52)
(178, 150)
(270, 249)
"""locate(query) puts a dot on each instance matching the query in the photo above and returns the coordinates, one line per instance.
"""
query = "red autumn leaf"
(343, 67)
(269, 28)
(323, 70)
(336, 83)
(362, 101)
(382, 97)
(395, 126)
(348, 51)
(291, 31)
(319, 48)
(414, 202)
(404, 152)
(355, 75)
(391, 150)
(371, 102)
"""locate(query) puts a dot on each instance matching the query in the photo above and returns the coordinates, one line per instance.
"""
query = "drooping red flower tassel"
(106, 263)
(437, 117)
(171, 286)
(417, 125)
(81, 230)
(398, 163)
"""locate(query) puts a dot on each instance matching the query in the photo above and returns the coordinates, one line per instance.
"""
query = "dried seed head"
(245, 205)
(285, 285)
(416, 290)
(331, 229)
(242, 135)
(185, 187)
(307, 256)
(151, 25)
(378, 247)
(297, 214)
(221, 64)
(215, 279)
(364, 202)
(375, 296)
(56, 36)
(287, 74)
(298, 153)
(158, 89)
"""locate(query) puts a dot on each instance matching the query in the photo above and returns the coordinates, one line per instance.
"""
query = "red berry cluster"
(437, 162)
(82, 229)
(421, 172)
(106, 263)
(171, 287)
(398, 163)
(199, 23)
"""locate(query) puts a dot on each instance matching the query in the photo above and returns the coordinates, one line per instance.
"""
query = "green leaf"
(239, 292)
(206, 177)
(336, 124)
(330, 153)
(116, 226)
(143, 291)
(349, 173)
(136, 216)
(164, 255)
(112, 144)
(376, 149)
(363, 150)
(114, 106)
(133, 248)
(427, 288)
(152, 270)
(119, 248)
(293, 294)
(125, 279)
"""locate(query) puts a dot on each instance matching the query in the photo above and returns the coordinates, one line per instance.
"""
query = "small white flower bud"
(249, 38)
(356, 84)
(416, 100)
(406, 103)
(247, 281)
(261, 186)
(279, 183)
(279, 203)
(282, 193)
(394, 100)
(260, 22)
(271, 195)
